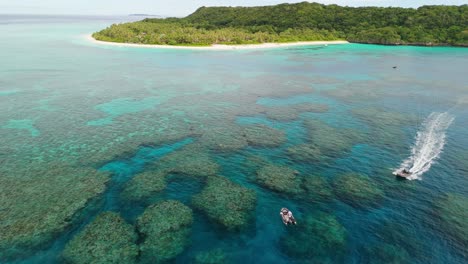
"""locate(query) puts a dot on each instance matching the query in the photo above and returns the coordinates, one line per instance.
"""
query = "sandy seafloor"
(81, 122)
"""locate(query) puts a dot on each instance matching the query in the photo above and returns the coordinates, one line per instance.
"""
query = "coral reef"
(384, 126)
(329, 140)
(395, 244)
(291, 112)
(282, 113)
(38, 204)
(386, 253)
(355, 92)
(225, 202)
(192, 160)
(279, 178)
(309, 107)
(108, 239)
(316, 188)
(215, 256)
(166, 228)
(320, 238)
(452, 212)
(254, 162)
(263, 136)
(225, 138)
(142, 186)
(304, 153)
(357, 190)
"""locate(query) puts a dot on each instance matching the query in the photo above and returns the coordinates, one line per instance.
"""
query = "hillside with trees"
(427, 25)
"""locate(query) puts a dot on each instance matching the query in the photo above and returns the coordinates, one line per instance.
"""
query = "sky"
(174, 7)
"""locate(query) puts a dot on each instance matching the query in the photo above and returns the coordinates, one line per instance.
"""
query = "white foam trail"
(430, 141)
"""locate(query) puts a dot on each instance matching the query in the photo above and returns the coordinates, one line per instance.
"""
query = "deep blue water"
(69, 105)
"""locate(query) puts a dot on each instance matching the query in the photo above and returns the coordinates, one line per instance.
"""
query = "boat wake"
(430, 141)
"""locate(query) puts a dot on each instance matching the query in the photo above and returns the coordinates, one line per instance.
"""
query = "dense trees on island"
(427, 25)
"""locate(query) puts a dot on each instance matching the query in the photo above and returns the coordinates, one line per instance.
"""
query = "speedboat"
(403, 173)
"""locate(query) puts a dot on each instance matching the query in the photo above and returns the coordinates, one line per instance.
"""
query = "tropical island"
(284, 23)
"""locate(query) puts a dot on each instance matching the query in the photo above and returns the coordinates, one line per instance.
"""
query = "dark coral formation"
(282, 113)
(387, 253)
(166, 227)
(225, 202)
(144, 185)
(316, 189)
(320, 238)
(304, 153)
(226, 138)
(282, 179)
(395, 244)
(452, 212)
(192, 160)
(43, 202)
(108, 239)
(329, 140)
(215, 256)
(357, 190)
(384, 125)
(263, 136)
(291, 112)
(355, 92)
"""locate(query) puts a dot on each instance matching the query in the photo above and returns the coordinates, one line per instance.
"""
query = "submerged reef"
(254, 162)
(225, 202)
(108, 239)
(357, 190)
(37, 205)
(452, 212)
(193, 160)
(320, 238)
(316, 189)
(226, 138)
(355, 92)
(263, 136)
(395, 244)
(291, 112)
(329, 140)
(384, 253)
(304, 153)
(165, 228)
(282, 179)
(215, 256)
(385, 127)
(142, 186)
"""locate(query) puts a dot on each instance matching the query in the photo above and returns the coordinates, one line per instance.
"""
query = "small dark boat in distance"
(403, 173)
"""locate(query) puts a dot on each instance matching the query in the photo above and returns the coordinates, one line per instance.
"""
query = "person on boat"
(287, 216)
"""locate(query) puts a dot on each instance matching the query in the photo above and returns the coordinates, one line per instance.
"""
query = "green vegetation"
(427, 25)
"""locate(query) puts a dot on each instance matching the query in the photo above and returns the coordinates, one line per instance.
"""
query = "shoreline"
(220, 46)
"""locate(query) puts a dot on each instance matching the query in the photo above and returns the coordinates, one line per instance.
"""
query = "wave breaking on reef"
(430, 141)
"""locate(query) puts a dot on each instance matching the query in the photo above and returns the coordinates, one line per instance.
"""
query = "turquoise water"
(80, 122)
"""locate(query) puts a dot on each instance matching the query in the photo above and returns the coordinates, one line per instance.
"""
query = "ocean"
(232, 136)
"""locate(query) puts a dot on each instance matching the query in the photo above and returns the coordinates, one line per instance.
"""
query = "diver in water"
(287, 216)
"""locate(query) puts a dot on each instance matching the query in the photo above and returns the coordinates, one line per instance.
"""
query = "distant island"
(145, 15)
(424, 26)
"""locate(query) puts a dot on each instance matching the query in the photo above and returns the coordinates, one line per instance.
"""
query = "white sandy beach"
(221, 47)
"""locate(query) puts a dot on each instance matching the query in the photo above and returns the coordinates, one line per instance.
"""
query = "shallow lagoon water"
(69, 106)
